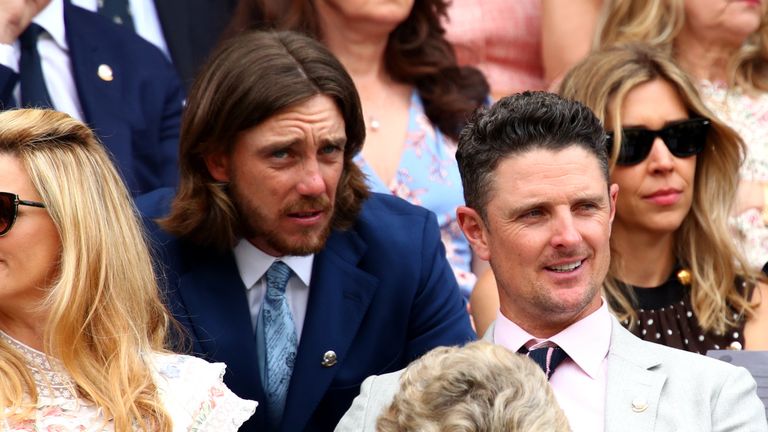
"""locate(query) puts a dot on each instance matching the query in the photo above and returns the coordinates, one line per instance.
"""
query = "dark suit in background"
(191, 29)
(137, 114)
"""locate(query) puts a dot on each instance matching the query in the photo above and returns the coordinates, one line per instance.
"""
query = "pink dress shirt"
(579, 381)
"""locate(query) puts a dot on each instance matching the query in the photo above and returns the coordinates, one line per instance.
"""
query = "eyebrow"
(336, 141)
(278, 145)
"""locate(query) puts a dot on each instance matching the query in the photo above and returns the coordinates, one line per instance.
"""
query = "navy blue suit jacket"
(137, 114)
(381, 295)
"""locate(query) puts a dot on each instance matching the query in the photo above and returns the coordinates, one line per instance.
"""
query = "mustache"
(319, 203)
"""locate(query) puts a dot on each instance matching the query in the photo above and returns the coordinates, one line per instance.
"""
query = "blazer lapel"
(339, 296)
(633, 385)
(215, 301)
(103, 106)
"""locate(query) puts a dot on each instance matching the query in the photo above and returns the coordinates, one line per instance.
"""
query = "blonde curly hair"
(481, 387)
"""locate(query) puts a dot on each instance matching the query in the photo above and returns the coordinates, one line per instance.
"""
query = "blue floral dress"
(428, 176)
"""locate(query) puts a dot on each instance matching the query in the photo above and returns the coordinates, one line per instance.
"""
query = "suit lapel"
(339, 296)
(633, 385)
(101, 100)
(215, 301)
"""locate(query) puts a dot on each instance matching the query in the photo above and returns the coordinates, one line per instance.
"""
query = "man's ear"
(474, 230)
(218, 166)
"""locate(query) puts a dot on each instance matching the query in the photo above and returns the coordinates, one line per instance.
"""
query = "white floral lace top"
(748, 115)
(190, 388)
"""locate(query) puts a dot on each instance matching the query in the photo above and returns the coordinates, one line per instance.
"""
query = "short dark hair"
(250, 78)
(517, 124)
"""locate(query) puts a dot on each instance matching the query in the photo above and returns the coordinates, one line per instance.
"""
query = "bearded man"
(276, 259)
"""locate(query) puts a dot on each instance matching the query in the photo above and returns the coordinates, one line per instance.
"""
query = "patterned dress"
(748, 115)
(191, 390)
(665, 316)
(428, 176)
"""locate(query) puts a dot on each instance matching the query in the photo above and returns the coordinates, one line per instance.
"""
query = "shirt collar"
(252, 263)
(51, 18)
(586, 341)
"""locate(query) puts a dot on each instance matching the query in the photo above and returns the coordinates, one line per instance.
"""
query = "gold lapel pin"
(105, 72)
(639, 405)
(329, 359)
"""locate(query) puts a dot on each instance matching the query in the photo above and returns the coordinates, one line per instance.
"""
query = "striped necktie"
(548, 357)
(280, 340)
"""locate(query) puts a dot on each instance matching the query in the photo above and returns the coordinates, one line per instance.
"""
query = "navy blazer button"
(329, 359)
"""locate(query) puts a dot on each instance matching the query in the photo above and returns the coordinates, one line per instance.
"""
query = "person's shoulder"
(385, 211)
(142, 61)
(194, 394)
(378, 203)
(86, 22)
(376, 393)
(156, 203)
(392, 220)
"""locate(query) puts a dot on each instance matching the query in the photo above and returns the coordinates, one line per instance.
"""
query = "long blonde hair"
(104, 311)
(703, 241)
(659, 22)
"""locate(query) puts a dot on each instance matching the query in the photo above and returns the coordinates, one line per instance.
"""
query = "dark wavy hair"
(250, 78)
(417, 53)
(517, 124)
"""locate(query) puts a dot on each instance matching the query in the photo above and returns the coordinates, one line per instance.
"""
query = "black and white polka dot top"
(665, 316)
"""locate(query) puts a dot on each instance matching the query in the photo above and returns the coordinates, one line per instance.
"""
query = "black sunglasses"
(683, 138)
(9, 209)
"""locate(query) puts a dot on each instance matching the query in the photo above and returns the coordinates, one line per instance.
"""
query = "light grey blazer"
(650, 387)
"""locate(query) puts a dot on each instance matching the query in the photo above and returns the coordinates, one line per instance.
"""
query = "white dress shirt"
(54, 57)
(145, 20)
(253, 264)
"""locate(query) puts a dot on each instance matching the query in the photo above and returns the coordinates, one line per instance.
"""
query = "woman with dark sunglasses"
(82, 328)
(676, 276)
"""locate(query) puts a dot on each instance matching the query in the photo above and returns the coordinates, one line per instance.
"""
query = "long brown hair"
(417, 53)
(250, 78)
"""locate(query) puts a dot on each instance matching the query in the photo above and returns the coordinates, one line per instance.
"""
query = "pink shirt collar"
(586, 341)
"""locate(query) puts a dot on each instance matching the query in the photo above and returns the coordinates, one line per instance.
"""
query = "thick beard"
(251, 226)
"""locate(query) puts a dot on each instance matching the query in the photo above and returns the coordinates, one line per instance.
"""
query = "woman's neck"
(702, 57)
(27, 328)
(646, 259)
(359, 46)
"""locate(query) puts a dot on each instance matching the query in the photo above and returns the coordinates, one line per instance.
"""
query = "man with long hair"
(277, 259)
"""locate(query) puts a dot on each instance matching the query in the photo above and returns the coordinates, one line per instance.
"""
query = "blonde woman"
(676, 276)
(82, 327)
(723, 45)
(480, 387)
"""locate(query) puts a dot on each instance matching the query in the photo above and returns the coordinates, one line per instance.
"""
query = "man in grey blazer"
(539, 207)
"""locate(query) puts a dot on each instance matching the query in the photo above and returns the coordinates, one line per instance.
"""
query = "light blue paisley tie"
(279, 339)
